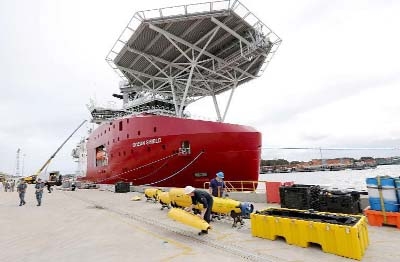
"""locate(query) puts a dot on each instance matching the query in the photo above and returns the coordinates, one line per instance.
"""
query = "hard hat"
(188, 190)
(220, 174)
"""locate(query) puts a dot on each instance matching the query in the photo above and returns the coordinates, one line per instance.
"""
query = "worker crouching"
(202, 197)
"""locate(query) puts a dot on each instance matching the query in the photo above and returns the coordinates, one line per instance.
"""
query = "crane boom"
(32, 178)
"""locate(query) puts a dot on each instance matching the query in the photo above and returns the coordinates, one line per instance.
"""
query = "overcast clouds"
(335, 81)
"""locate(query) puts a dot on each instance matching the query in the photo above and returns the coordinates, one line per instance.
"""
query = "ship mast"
(184, 53)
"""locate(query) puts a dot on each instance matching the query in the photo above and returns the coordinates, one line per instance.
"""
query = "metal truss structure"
(184, 53)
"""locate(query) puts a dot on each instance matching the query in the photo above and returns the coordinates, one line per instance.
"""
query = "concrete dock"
(98, 225)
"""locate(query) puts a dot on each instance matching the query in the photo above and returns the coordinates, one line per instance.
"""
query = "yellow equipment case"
(340, 234)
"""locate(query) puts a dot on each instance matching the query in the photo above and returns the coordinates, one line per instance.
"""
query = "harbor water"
(342, 179)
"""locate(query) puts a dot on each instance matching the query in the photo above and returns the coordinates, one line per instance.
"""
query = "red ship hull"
(171, 152)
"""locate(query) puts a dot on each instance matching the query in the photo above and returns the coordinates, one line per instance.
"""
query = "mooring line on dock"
(204, 240)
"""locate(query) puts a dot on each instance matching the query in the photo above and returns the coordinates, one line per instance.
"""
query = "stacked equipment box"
(313, 197)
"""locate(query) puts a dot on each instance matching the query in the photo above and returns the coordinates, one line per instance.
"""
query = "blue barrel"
(388, 193)
(397, 184)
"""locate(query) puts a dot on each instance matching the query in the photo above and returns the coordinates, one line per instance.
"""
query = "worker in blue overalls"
(217, 185)
(39, 191)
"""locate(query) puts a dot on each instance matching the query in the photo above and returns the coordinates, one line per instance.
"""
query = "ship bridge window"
(120, 126)
(101, 156)
(185, 148)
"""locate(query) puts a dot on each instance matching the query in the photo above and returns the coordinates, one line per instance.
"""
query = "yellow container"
(188, 219)
(348, 240)
(151, 193)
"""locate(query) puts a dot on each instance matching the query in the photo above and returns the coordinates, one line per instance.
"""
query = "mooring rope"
(134, 169)
(177, 172)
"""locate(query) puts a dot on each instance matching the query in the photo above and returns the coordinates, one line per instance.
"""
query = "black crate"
(122, 187)
(300, 196)
(344, 203)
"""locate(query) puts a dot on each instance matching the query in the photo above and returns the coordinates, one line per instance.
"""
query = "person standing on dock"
(202, 197)
(39, 191)
(21, 189)
(217, 185)
(12, 185)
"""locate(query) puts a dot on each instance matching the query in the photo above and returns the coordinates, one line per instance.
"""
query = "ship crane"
(32, 178)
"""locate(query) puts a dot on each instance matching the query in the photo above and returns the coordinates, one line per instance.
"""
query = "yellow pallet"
(342, 240)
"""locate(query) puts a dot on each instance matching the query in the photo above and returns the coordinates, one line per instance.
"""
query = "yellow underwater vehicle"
(221, 206)
(152, 193)
(164, 200)
(189, 219)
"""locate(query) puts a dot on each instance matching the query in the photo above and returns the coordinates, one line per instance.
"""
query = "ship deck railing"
(242, 186)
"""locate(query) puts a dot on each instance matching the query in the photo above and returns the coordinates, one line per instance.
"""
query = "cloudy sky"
(334, 83)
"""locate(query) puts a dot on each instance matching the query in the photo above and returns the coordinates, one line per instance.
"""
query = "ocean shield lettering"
(147, 142)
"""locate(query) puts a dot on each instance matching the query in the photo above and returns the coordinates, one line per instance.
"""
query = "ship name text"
(147, 142)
